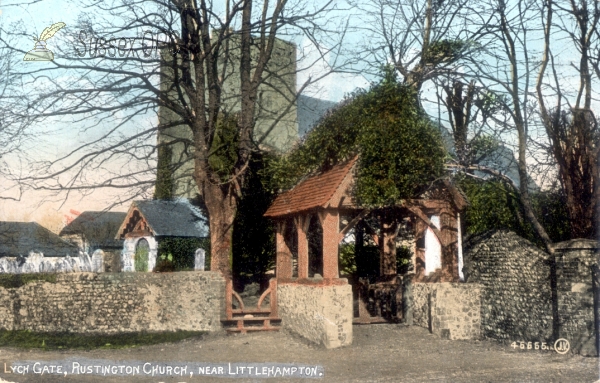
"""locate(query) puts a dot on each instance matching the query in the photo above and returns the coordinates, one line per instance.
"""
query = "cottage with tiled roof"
(148, 222)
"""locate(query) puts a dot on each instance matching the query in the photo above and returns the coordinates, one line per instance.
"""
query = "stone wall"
(574, 261)
(318, 312)
(515, 279)
(116, 302)
(421, 293)
(449, 310)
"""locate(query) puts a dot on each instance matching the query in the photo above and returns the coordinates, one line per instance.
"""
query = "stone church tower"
(276, 125)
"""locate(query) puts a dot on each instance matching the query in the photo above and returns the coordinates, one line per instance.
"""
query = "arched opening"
(315, 247)
(433, 247)
(291, 240)
(142, 252)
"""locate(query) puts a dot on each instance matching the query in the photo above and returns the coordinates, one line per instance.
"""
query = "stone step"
(244, 325)
(253, 319)
(255, 312)
(244, 330)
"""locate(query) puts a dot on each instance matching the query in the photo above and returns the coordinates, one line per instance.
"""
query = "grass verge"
(14, 281)
(69, 341)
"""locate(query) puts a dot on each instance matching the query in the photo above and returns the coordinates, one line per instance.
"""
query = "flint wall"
(115, 302)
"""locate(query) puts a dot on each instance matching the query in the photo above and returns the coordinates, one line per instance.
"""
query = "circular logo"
(562, 346)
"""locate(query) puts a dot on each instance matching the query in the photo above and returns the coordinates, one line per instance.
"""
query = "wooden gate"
(379, 302)
(263, 317)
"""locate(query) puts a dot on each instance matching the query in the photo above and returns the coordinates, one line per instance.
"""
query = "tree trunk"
(459, 114)
(221, 206)
(580, 173)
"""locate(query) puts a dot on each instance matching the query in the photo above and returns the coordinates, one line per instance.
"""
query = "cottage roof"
(314, 192)
(20, 238)
(177, 218)
(98, 227)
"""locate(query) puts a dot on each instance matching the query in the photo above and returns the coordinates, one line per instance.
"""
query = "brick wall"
(515, 279)
(116, 302)
(450, 310)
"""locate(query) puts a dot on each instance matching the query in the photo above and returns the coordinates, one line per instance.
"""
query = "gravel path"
(379, 353)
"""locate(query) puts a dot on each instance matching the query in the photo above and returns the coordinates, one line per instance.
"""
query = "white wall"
(128, 253)
(433, 248)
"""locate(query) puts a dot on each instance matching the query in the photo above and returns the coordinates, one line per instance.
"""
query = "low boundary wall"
(575, 260)
(320, 312)
(449, 310)
(515, 279)
(116, 302)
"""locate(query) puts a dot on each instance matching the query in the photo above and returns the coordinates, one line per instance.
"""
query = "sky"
(53, 211)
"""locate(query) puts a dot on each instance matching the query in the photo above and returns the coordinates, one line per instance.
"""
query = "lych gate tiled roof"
(311, 193)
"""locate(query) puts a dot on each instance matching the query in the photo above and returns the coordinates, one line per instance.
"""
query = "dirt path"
(379, 353)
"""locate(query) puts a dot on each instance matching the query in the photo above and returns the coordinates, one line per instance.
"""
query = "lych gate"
(327, 199)
(312, 219)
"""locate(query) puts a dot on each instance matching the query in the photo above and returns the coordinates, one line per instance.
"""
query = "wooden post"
(363, 313)
(407, 300)
(273, 299)
(387, 263)
(302, 223)
(284, 255)
(449, 230)
(330, 221)
(228, 299)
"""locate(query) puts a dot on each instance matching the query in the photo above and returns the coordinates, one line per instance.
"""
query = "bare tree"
(505, 68)
(512, 64)
(572, 129)
(13, 129)
(562, 139)
(427, 42)
(119, 79)
(422, 39)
